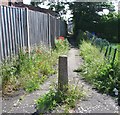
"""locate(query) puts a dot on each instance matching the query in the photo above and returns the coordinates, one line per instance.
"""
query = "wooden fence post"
(63, 74)
(28, 37)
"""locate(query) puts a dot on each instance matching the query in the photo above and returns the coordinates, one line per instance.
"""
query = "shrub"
(97, 70)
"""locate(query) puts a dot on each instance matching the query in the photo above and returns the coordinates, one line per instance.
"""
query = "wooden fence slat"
(49, 37)
(25, 27)
(40, 28)
(28, 32)
(6, 31)
(12, 31)
(20, 27)
(3, 32)
(20, 34)
(16, 31)
(9, 32)
(1, 40)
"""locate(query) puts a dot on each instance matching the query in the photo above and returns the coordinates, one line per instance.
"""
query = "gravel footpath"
(94, 102)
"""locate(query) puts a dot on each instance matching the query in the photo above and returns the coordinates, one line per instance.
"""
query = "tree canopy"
(86, 17)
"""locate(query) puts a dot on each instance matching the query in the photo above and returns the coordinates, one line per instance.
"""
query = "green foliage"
(60, 6)
(85, 14)
(108, 27)
(86, 17)
(61, 45)
(33, 83)
(97, 70)
(56, 98)
(29, 71)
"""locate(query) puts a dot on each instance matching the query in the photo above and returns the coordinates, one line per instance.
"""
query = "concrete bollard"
(63, 74)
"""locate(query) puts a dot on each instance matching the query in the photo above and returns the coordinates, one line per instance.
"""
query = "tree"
(86, 16)
(58, 7)
(109, 27)
(36, 3)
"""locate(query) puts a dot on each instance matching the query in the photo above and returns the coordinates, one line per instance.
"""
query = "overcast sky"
(115, 1)
(105, 11)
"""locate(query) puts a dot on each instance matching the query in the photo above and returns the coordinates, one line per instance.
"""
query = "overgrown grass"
(98, 71)
(55, 98)
(28, 72)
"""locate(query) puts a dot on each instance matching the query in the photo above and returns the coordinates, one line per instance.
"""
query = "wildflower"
(61, 38)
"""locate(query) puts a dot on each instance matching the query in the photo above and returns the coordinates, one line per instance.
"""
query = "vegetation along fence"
(110, 51)
(24, 28)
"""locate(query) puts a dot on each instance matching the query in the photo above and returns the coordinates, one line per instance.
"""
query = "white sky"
(26, 1)
(69, 12)
(115, 3)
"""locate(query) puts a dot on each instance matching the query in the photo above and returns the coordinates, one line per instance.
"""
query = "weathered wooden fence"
(12, 30)
(24, 28)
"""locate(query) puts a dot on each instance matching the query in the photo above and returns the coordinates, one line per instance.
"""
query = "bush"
(97, 70)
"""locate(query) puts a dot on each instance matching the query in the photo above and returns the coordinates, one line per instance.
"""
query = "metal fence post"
(115, 51)
(109, 52)
(106, 51)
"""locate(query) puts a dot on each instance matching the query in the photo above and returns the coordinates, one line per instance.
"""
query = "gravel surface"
(95, 102)
(27, 103)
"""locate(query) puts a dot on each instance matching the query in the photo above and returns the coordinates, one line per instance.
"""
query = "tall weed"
(97, 70)
(28, 71)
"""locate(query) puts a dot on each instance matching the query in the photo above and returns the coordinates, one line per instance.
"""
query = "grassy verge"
(28, 72)
(98, 71)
